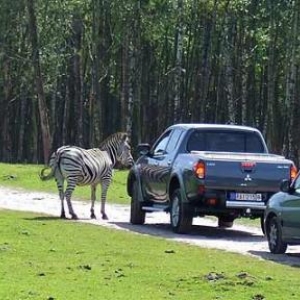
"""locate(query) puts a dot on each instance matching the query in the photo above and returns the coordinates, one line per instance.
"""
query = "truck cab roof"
(187, 126)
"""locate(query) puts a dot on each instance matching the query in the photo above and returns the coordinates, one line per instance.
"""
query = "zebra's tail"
(53, 164)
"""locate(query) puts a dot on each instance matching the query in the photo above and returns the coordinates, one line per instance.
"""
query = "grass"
(27, 177)
(46, 258)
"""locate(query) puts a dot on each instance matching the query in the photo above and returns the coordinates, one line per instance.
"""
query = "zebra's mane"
(116, 137)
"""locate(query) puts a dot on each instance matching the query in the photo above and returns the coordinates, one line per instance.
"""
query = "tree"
(46, 137)
(97, 69)
(178, 63)
(292, 103)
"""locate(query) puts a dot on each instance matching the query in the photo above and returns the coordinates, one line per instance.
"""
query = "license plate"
(245, 197)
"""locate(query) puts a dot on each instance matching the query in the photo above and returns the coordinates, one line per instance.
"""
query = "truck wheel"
(181, 214)
(262, 225)
(274, 236)
(137, 215)
(225, 222)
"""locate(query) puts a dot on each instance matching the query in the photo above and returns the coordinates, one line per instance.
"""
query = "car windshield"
(225, 141)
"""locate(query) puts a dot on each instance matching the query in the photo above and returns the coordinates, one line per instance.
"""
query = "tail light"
(248, 166)
(293, 172)
(212, 201)
(200, 169)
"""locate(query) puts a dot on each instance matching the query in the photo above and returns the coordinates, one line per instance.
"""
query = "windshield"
(225, 141)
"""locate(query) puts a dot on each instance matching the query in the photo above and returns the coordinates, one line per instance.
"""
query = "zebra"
(81, 167)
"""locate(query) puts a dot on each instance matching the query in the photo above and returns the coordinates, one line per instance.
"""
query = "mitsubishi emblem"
(248, 178)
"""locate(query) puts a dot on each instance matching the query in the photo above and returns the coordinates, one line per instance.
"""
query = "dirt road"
(240, 239)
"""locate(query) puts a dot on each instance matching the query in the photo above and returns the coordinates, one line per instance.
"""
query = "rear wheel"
(181, 214)
(274, 236)
(137, 215)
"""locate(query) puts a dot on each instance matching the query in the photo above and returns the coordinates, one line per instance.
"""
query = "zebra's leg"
(60, 186)
(93, 199)
(104, 187)
(69, 190)
(62, 196)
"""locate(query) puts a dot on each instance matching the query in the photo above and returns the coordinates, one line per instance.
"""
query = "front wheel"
(137, 215)
(181, 214)
(274, 236)
(262, 225)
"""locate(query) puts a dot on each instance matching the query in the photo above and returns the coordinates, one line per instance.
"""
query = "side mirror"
(285, 186)
(143, 149)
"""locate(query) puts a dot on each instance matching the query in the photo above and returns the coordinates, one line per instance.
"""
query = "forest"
(75, 71)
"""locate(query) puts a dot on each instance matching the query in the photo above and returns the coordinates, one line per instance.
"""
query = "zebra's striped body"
(87, 167)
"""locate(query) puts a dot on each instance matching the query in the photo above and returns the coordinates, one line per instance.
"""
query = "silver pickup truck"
(193, 170)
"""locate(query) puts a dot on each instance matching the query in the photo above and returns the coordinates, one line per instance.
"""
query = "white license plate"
(248, 197)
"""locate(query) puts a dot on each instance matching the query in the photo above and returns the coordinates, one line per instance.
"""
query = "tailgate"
(245, 172)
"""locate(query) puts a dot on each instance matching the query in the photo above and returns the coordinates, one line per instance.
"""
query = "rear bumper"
(245, 205)
(225, 206)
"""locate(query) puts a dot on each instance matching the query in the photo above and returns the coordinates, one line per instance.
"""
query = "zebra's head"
(125, 157)
(119, 148)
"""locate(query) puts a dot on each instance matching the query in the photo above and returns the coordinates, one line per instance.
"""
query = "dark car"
(282, 217)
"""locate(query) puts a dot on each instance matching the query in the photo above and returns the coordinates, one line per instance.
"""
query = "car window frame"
(166, 135)
(174, 137)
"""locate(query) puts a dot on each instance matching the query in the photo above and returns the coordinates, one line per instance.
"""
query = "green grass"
(27, 177)
(46, 258)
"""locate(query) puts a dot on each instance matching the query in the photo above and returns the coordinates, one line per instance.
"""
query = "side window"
(160, 147)
(174, 139)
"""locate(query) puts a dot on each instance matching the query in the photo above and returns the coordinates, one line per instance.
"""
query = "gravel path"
(239, 239)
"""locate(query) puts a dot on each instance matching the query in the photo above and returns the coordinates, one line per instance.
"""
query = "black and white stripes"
(79, 166)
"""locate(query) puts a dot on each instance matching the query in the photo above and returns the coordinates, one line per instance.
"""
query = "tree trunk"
(135, 74)
(22, 121)
(178, 64)
(291, 145)
(229, 67)
(46, 137)
(126, 77)
(268, 129)
(76, 64)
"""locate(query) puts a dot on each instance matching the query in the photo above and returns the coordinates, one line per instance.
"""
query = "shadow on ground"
(203, 232)
(197, 232)
(43, 218)
(290, 259)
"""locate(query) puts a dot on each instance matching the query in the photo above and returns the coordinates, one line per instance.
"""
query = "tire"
(181, 214)
(262, 225)
(274, 236)
(225, 222)
(137, 215)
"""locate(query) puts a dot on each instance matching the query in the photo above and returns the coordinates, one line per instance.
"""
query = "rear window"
(225, 141)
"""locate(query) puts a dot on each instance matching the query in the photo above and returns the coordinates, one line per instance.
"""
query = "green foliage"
(46, 258)
(235, 52)
(27, 177)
